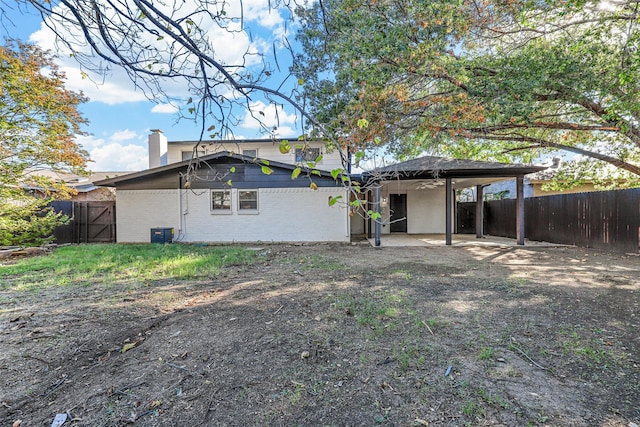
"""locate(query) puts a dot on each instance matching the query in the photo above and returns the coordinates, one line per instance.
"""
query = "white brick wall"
(284, 215)
(138, 211)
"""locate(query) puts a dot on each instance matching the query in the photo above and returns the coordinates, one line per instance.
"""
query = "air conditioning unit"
(162, 235)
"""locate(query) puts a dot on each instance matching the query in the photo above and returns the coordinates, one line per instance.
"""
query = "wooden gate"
(92, 222)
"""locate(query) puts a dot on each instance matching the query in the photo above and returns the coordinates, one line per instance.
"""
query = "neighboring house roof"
(442, 167)
(81, 183)
(221, 157)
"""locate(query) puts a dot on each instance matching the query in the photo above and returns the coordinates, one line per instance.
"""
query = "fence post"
(520, 210)
(479, 211)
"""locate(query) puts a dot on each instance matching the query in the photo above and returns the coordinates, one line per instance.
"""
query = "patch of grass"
(296, 394)
(321, 263)
(375, 310)
(472, 409)
(84, 264)
(410, 356)
(492, 399)
(402, 273)
(486, 353)
(585, 349)
(437, 323)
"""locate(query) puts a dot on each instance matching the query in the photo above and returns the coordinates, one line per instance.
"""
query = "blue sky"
(120, 117)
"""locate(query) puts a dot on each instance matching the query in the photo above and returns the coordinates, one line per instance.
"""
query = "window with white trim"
(307, 154)
(250, 153)
(221, 201)
(247, 200)
(188, 155)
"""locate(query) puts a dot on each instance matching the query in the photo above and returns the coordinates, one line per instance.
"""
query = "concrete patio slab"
(407, 240)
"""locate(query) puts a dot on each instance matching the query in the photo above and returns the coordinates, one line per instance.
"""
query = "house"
(163, 152)
(83, 185)
(229, 198)
(225, 194)
(535, 183)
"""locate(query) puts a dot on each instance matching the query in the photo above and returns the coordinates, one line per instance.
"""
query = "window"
(188, 155)
(248, 200)
(307, 154)
(250, 153)
(221, 201)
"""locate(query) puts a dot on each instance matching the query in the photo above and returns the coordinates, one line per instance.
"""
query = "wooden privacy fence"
(607, 220)
(92, 222)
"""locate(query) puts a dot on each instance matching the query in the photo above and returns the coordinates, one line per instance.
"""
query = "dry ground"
(337, 335)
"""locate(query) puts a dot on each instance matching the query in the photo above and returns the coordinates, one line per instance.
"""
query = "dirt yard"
(338, 336)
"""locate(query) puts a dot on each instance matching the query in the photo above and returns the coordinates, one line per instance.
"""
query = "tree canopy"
(204, 56)
(200, 55)
(484, 80)
(516, 80)
(38, 123)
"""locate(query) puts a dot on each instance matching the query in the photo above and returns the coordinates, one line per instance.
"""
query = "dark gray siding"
(251, 176)
(166, 181)
(244, 175)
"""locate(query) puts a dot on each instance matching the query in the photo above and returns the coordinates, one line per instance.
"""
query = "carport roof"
(442, 167)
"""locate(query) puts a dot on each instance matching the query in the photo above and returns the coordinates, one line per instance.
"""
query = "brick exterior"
(141, 210)
(284, 215)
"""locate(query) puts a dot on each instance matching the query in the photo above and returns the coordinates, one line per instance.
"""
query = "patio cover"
(466, 173)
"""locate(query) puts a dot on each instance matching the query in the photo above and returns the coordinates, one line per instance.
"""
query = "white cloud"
(124, 135)
(259, 11)
(111, 90)
(229, 47)
(271, 116)
(165, 108)
(115, 87)
(121, 151)
(286, 132)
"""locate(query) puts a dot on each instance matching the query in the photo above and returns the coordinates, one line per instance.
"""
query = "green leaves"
(333, 200)
(374, 215)
(265, 167)
(295, 173)
(38, 127)
(413, 77)
(284, 147)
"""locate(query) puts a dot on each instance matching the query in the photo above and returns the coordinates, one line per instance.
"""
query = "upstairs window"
(188, 155)
(250, 153)
(307, 154)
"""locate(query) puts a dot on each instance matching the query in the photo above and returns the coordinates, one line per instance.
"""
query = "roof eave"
(460, 173)
(112, 182)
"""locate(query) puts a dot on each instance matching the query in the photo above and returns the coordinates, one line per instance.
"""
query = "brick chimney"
(157, 149)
